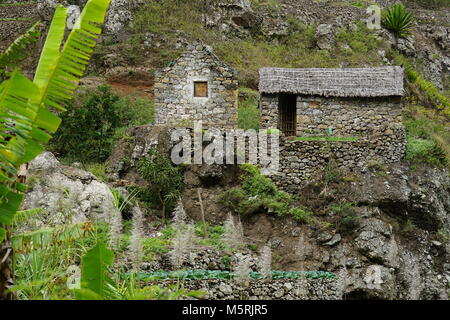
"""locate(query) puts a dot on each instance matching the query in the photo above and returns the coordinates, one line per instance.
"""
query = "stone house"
(341, 102)
(197, 86)
(363, 104)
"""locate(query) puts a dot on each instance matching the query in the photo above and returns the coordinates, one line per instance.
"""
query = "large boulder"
(66, 194)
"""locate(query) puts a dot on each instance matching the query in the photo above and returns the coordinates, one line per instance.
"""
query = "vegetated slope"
(391, 221)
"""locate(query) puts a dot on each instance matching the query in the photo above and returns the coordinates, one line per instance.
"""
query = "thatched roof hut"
(352, 82)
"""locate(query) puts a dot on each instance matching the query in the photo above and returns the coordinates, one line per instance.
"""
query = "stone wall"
(269, 111)
(311, 289)
(174, 91)
(300, 160)
(346, 116)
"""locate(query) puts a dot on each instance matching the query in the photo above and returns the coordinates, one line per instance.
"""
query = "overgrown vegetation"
(348, 219)
(26, 120)
(427, 141)
(95, 121)
(297, 50)
(426, 116)
(258, 193)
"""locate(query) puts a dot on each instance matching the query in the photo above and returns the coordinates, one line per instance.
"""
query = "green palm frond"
(46, 236)
(16, 122)
(25, 215)
(71, 63)
(26, 122)
(398, 20)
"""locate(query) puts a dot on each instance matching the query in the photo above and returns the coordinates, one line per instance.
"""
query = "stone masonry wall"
(300, 160)
(269, 111)
(174, 91)
(282, 289)
(346, 116)
(376, 123)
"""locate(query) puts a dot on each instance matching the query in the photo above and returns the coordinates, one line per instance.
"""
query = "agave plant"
(26, 117)
(398, 20)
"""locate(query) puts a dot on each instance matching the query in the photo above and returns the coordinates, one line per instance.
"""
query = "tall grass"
(428, 140)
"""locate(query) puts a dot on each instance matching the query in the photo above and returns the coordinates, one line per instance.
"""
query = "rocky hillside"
(386, 222)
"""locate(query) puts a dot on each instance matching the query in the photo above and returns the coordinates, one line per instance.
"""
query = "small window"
(201, 89)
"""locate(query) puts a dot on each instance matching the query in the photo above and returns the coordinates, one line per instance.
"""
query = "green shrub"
(259, 193)
(349, 223)
(332, 173)
(360, 40)
(255, 183)
(165, 181)
(398, 20)
(432, 96)
(98, 170)
(250, 206)
(360, 4)
(301, 214)
(212, 237)
(94, 122)
(297, 50)
(427, 141)
(136, 111)
(232, 198)
(421, 150)
(348, 219)
(279, 207)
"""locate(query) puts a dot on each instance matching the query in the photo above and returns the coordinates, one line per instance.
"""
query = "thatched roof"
(352, 82)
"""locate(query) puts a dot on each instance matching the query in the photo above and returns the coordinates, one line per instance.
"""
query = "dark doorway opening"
(287, 110)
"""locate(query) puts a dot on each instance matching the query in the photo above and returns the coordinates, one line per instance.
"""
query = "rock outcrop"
(66, 194)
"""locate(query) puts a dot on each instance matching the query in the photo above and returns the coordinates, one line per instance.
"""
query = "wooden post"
(205, 227)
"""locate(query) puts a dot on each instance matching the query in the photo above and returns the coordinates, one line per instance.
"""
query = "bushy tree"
(92, 124)
(89, 126)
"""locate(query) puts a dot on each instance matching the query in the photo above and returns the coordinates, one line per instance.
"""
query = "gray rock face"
(376, 243)
(324, 36)
(119, 15)
(66, 194)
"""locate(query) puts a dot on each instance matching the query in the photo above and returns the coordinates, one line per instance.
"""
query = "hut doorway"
(287, 110)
